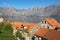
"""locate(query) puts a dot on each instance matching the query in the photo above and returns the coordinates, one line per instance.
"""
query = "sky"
(23, 4)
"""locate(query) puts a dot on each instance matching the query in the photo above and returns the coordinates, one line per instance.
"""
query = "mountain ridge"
(31, 14)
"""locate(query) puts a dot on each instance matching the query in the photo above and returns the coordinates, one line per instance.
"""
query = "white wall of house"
(1, 19)
(44, 24)
(26, 36)
(36, 38)
(14, 31)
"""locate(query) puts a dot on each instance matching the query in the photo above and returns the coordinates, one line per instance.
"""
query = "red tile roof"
(26, 24)
(58, 24)
(41, 32)
(52, 22)
(48, 34)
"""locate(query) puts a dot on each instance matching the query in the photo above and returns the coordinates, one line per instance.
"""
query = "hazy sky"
(20, 4)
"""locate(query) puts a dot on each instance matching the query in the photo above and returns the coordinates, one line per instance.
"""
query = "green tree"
(26, 31)
(7, 28)
(18, 34)
(1, 26)
(7, 32)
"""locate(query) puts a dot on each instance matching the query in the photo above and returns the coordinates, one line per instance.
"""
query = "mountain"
(35, 14)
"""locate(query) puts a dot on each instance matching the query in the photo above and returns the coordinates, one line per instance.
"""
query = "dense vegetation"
(6, 32)
(18, 34)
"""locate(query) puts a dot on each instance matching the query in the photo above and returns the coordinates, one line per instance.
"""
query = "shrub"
(18, 34)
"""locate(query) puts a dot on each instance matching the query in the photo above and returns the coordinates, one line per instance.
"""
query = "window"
(45, 22)
(23, 38)
(33, 38)
(57, 28)
(39, 38)
(22, 26)
(42, 21)
(47, 26)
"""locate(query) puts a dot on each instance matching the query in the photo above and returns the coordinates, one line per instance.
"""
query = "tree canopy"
(6, 32)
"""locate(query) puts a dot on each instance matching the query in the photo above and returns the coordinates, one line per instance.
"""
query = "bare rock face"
(31, 14)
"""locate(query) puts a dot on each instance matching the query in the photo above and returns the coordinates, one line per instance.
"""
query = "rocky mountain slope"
(31, 14)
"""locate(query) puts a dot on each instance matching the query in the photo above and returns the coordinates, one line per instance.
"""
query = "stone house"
(44, 26)
(22, 26)
(49, 23)
(47, 34)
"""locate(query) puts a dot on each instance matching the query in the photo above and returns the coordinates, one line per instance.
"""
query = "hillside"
(31, 14)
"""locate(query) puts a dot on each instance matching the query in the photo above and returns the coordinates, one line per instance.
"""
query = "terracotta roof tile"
(26, 24)
(52, 22)
(59, 24)
(48, 34)
(41, 31)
